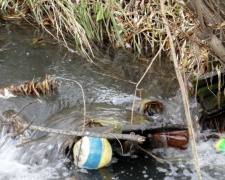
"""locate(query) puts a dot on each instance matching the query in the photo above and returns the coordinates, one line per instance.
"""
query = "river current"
(106, 98)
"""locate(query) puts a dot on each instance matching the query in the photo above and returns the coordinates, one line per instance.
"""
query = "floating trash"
(92, 153)
(220, 145)
(177, 139)
(150, 107)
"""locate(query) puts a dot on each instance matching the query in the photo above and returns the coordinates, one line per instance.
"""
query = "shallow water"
(106, 98)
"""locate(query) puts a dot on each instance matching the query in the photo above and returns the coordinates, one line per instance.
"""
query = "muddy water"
(106, 98)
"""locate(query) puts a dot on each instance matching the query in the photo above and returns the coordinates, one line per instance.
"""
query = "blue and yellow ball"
(93, 153)
(220, 145)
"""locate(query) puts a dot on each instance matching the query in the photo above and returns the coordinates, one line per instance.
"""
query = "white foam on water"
(11, 169)
(145, 176)
(115, 97)
(7, 94)
(209, 158)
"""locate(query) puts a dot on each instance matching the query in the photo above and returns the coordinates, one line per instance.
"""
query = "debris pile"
(30, 88)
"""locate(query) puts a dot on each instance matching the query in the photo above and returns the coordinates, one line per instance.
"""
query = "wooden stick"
(136, 138)
(183, 91)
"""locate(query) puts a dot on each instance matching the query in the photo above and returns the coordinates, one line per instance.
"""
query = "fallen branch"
(23, 126)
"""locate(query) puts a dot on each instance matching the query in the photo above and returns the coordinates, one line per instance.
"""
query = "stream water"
(106, 98)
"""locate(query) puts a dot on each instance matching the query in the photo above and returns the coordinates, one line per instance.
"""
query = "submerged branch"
(27, 127)
(160, 159)
(36, 100)
(177, 160)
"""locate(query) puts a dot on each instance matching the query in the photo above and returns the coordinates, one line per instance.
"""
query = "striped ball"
(93, 153)
(220, 145)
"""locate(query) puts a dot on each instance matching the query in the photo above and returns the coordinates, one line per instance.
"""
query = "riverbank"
(135, 25)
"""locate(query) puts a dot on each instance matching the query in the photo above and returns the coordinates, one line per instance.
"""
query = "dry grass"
(129, 24)
(133, 24)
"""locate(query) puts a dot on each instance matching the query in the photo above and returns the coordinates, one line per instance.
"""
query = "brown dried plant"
(32, 88)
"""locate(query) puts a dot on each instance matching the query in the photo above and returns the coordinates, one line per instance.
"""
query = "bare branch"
(136, 138)
(26, 106)
(32, 121)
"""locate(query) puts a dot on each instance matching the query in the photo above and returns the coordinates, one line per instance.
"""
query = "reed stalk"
(133, 25)
(183, 91)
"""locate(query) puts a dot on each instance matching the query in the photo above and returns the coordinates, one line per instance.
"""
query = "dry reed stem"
(183, 92)
(136, 24)
(84, 103)
(160, 159)
(138, 83)
(113, 77)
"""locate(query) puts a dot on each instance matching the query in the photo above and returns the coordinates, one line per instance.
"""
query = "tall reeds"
(130, 24)
(133, 24)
